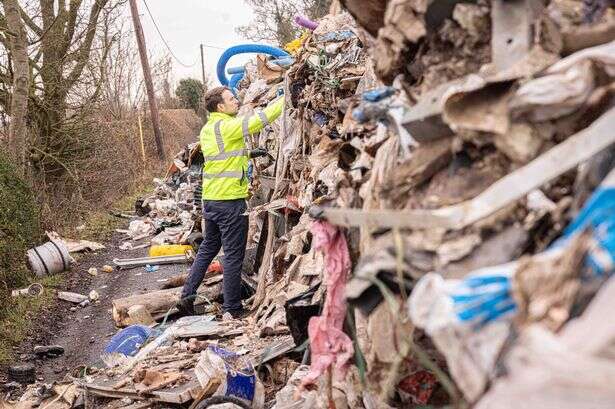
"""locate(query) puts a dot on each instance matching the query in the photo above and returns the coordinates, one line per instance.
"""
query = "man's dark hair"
(212, 98)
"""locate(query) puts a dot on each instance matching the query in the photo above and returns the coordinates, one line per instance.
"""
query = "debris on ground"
(75, 246)
(33, 290)
(49, 351)
(433, 225)
(74, 298)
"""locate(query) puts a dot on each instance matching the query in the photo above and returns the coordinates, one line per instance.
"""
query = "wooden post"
(149, 85)
(203, 67)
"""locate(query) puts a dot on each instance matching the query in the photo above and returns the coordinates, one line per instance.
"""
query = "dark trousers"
(225, 226)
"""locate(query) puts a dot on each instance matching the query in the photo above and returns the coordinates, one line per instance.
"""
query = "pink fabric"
(328, 343)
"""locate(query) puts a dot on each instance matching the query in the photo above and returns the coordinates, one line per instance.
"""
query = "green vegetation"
(19, 226)
(17, 315)
(189, 91)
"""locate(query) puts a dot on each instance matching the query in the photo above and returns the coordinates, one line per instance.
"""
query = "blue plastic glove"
(598, 215)
(485, 296)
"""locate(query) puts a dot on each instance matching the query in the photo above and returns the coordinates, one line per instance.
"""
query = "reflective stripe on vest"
(227, 174)
(219, 139)
(263, 118)
(223, 154)
(245, 127)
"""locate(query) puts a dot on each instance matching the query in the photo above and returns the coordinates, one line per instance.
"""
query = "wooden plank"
(514, 186)
(276, 349)
(181, 394)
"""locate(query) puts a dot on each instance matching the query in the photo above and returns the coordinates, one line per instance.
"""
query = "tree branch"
(29, 22)
(83, 53)
(71, 23)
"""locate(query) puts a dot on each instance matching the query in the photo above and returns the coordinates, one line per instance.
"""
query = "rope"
(164, 40)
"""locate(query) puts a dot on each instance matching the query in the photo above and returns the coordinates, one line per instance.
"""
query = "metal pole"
(149, 85)
(203, 67)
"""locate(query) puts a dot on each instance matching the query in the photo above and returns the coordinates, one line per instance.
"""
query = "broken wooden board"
(514, 186)
(178, 395)
(203, 326)
(278, 348)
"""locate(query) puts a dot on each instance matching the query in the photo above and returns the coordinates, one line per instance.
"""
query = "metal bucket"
(49, 258)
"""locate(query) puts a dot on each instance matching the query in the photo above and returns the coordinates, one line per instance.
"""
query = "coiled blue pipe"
(243, 49)
(235, 80)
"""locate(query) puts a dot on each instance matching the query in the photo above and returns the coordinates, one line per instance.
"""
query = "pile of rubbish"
(442, 188)
(433, 225)
(172, 212)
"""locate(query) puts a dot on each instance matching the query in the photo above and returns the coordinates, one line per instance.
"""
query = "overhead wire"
(163, 39)
(213, 46)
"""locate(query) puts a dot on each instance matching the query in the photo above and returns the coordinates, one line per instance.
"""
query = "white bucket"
(49, 258)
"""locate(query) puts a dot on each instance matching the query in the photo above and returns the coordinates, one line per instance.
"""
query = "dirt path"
(85, 332)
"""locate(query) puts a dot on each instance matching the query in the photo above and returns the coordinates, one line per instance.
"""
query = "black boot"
(185, 307)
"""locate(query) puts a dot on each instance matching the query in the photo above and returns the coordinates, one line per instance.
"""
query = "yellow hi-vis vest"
(223, 143)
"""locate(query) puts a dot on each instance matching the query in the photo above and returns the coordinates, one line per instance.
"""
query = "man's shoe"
(238, 314)
(185, 307)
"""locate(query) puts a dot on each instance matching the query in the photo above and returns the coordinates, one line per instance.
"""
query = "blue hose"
(235, 80)
(243, 49)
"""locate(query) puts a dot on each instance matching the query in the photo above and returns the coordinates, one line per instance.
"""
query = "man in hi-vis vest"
(225, 189)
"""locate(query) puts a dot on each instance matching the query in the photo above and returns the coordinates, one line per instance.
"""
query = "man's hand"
(258, 152)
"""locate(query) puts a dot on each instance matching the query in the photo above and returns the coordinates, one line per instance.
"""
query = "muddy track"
(85, 332)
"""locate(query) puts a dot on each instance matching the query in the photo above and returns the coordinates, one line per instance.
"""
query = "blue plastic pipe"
(235, 80)
(243, 49)
(235, 70)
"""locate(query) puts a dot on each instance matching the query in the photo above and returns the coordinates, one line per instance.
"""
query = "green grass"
(19, 312)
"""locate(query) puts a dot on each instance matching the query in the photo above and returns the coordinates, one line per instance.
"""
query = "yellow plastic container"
(169, 250)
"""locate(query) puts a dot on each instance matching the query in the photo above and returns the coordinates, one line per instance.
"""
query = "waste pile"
(440, 184)
(433, 226)
(172, 212)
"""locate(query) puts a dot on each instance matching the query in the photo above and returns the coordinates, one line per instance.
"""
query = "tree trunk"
(157, 303)
(21, 82)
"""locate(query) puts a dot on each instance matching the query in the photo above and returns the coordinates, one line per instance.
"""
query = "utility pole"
(147, 74)
(203, 67)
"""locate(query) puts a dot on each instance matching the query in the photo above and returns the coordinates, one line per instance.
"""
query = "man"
(225, 189)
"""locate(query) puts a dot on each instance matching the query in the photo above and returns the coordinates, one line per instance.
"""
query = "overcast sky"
(187, 23)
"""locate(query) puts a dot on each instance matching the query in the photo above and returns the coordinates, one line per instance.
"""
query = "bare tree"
(63, 81)
(274, 19)
(17, 40)
(123, 87)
